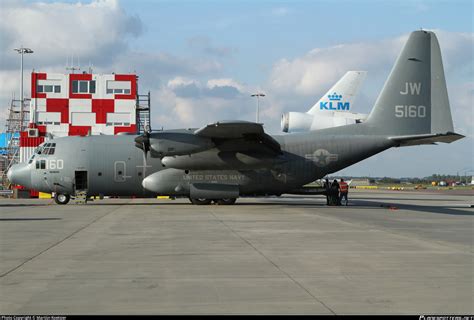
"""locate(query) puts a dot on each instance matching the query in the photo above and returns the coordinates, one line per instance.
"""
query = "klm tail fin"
(344, 91)
(414, 104)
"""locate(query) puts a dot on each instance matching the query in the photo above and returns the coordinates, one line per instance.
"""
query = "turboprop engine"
(173, 143)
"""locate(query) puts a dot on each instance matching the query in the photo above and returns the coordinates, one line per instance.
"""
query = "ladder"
(17, 121)
(80, 197)
(143, 104)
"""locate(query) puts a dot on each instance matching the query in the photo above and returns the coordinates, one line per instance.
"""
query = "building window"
(83, 86)
(92, 86)
(42, 88)
(118, 87)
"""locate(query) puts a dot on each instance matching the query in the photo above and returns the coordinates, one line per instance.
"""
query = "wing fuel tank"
(177, 182)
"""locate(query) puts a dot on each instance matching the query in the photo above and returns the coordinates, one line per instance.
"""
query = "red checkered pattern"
(72, 112)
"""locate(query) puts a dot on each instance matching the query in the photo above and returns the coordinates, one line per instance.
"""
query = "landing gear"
(200, 202)
(225, 202)
(60, 198)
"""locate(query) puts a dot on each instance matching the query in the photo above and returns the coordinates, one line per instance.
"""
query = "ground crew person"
(327, 186)
(334, 194)
(343, 191)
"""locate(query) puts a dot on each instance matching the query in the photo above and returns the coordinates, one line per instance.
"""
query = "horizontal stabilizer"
(413, 140)
(351, 115)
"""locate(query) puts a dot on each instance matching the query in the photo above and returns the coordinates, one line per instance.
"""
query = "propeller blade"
(145, 156)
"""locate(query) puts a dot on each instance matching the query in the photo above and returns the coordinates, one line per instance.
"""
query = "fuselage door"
(81, 180)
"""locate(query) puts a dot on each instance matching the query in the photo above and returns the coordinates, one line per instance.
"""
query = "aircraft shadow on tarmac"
(24, 205)
(449, 210)
(357, 204)
(403, 198)
(28, 219)
(280, 204)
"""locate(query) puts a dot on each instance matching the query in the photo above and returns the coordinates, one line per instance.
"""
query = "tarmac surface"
(388, 252)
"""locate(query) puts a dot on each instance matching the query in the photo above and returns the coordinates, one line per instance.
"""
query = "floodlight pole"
(258, 95)
(22, 51)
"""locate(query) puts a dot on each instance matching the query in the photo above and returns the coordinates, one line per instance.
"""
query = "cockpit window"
(31, 159)
(40, 164)
(46, 149)
(39, 150)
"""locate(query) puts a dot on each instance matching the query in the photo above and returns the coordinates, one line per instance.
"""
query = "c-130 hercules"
(222, 161)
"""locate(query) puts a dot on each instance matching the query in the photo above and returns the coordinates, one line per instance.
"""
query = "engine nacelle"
(303, 122)
(296, 121)
(164, 144)
(167, 182)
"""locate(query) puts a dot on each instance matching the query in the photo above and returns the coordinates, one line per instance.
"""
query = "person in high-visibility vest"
(343, 191)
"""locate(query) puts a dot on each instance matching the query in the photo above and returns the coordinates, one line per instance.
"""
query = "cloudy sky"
(201, 60)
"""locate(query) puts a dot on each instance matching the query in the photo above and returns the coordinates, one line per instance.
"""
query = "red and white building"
(79, 104)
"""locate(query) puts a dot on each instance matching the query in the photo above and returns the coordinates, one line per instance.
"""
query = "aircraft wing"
(230, 130)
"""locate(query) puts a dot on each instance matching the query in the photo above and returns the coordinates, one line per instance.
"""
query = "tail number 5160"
(410, 111)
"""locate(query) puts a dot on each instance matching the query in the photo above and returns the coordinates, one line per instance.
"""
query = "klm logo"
(334, 103)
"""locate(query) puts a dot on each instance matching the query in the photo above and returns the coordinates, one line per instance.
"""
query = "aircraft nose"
(19, 174)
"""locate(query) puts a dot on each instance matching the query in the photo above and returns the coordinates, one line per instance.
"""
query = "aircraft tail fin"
(414, 104)
(341, 94)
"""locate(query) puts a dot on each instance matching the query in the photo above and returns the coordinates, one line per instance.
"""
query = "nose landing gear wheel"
(60, 198)
(200, 201)
(225, 202)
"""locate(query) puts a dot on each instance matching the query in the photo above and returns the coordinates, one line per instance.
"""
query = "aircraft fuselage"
(113, 166)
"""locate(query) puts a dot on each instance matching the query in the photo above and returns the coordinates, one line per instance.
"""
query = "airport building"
(79, 104)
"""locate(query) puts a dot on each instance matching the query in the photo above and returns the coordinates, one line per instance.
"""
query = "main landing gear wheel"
(60, 198)
(225, 202)
(200, 201)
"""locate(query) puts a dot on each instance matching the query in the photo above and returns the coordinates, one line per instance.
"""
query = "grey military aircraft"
(222, 161)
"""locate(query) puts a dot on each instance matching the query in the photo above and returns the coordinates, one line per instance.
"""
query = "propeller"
(143, 142)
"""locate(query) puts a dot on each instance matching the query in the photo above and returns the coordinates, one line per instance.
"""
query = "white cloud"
(180, 82)
(225, 82)
(96, 32)
(321, 67)
(186, 102)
